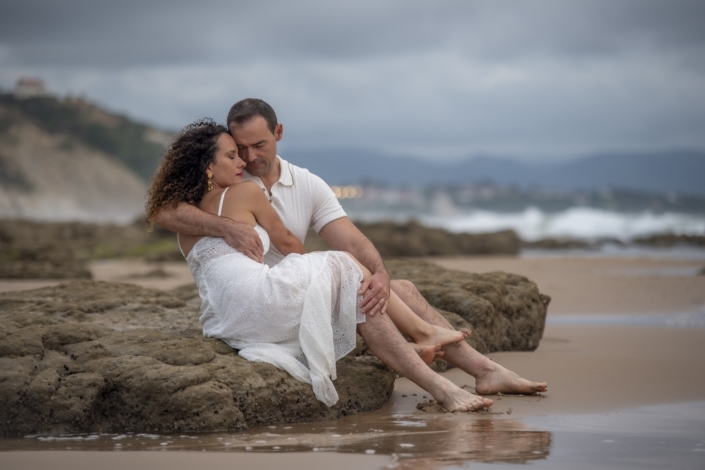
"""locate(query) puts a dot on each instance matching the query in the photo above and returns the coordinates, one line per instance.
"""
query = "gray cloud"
(133, 32)
(438, 79)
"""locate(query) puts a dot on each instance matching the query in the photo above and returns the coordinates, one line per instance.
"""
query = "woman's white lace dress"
(300, 315)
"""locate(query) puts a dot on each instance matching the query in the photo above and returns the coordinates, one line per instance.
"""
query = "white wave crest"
(581, 223)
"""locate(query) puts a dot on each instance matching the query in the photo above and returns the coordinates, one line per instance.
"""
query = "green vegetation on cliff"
(138, 146)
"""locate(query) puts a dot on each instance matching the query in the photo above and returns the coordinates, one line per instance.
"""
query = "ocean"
(531, 224)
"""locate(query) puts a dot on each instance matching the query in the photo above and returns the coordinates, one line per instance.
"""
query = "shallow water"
(663, 436)
(694, 319)
(678, 252)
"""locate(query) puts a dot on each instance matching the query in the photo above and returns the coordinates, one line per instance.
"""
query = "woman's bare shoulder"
(244, 188)
(245, 194)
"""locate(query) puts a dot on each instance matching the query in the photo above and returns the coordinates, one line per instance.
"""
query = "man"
(304, 201)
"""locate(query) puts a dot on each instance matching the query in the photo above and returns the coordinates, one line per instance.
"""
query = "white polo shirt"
(302, 200)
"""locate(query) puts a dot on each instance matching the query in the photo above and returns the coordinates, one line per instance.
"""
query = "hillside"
(138, 146)
(66, 161)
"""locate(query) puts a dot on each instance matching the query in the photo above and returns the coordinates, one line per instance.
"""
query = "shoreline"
(594, 371)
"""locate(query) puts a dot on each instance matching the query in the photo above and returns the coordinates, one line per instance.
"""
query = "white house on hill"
(28, 87)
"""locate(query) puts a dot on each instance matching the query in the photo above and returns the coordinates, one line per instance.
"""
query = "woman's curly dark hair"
(181, 175)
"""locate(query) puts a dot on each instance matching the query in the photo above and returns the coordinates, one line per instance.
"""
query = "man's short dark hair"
(246, 110)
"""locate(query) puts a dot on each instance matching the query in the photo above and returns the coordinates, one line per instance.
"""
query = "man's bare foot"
(457, 399)
(499, 379)
(427, 353)
(442, 336)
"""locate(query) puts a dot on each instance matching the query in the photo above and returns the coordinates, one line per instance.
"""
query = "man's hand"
(244, 238)
(376, 294)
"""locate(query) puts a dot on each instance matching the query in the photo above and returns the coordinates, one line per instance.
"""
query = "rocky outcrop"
(506, 312)
(413, 239)
(44, 250)
(41, 264)
(40, 250)
(106, 357)
(557, 244)
(669, 239)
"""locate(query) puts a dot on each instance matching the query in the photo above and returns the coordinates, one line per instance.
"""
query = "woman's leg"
(421, 332)
(427, 353)
(406, 321)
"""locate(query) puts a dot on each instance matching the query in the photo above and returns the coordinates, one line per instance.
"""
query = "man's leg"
(385, 342)
(490, 377)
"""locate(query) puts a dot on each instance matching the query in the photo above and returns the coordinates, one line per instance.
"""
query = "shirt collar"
(285, 176)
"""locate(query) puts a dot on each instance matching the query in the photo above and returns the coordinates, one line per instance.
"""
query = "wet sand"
(72, 460)
(592, 370)
(597, 286)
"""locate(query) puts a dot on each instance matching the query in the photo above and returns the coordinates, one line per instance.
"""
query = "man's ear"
(279, 131)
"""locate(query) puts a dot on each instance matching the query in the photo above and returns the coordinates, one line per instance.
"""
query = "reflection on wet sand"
(412, 442)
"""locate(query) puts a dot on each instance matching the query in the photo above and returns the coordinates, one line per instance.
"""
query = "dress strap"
(178, 242)
(222, 198)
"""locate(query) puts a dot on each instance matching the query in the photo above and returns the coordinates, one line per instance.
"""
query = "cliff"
(63, 160)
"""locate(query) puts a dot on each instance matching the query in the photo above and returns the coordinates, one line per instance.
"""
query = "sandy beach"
(592, 370)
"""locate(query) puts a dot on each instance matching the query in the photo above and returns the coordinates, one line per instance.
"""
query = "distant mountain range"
(665, 171)
(69, 158)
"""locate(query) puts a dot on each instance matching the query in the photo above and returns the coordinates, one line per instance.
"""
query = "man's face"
(256, 144)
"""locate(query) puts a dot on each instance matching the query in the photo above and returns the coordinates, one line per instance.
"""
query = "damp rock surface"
(414, 239)
(90, 356)
(506, 312)
(107, 357)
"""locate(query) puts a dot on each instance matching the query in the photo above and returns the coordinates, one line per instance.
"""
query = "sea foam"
(582, 223)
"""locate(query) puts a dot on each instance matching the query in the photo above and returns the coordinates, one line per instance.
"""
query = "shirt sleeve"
(326, 207)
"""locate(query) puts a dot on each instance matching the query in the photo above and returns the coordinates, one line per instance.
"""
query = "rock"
(557, 244)
(506, 312)
(670, 239)
(35, 266)
(702, 271)
(413, 239)
(42, 250)
(106, 357)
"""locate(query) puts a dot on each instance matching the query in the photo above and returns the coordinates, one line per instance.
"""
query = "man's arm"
(190, 220)
(342, 235)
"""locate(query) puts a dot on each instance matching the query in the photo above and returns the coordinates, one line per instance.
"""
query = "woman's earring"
(210, 183)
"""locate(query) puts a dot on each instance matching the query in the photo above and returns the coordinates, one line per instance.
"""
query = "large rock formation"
(99, 357)
(40, 250)
(505, 311)
(94, 356)
(666, 240)
(414, 239)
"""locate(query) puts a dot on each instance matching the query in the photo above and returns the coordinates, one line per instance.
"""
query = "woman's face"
(227, 166)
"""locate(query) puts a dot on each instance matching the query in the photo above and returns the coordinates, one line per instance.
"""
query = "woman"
(300, 315)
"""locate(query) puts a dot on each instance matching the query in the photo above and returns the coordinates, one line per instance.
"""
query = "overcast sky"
(437, 79)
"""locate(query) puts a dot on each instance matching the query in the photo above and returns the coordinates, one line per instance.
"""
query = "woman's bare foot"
(442, 336)
(499, 379)
(455, 398)
(427, 353)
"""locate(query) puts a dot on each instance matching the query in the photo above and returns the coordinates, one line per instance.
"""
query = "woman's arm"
(267, 217)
